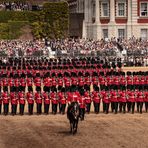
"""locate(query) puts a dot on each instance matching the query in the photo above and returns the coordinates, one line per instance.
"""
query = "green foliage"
(12, 29)
(51, 22)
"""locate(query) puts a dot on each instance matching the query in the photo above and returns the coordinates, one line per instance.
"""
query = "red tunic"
(54, 98)
(5, 98)
(38, 98)
(21, 97)
(30, 98)
(46, 98)
(14, 99)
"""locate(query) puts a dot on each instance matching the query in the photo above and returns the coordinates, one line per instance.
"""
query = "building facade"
(115, 18)
(76, 6)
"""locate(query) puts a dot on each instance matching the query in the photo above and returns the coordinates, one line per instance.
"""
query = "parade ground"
(52, 131)
(107, 131)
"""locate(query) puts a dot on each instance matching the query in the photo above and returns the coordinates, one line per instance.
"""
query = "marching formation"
(56, 83)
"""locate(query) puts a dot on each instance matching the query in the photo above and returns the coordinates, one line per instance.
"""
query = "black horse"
(73, 116)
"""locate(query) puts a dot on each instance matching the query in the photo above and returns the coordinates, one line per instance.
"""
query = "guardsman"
(96, 100)
(140, 100)
(60, 84)
(46, 99)
(114, 101)
(30, 99)
(63, 101)
(22, 84)
(38, 99)
(95, 83)
(5, 84)
(54, 84)
(47, 84)
(80, 83)
(122, 101)
(1, 101)
(87, 83)
(67, 84)
(30, 84)
(14, 102)
(131, 101)
(54, 100)
(102, 82)
(37, 82)
(16, 84)
(146, 100)
(74, 84)
(123, 82)
(129, 82)
(21, 97)
(11, 84)
(88, 101)
(106, 101)
(82, 104)
(5, 98)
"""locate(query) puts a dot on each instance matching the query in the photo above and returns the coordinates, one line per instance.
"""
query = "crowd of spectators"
(15, 6)
(132, 52)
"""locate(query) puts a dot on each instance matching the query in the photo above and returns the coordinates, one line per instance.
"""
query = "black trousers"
(139, 107)
(0, 108)
(106, 107)
(60, 107)
(114, 107)
(5, 88)
(87, 87)
(39, 108)
(30, 108)
(131, 105)
(96, 107)
(88, 106)
(22, 106)
(146, 106)
(6, 109)
(54, 108)
(14, 109)
(46, 108)
(46, 89)
(63, 107)
(82, 113)
(38, 88)
(30, 88)
(122, 107)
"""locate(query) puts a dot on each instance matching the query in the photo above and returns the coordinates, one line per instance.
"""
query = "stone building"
(115, 18)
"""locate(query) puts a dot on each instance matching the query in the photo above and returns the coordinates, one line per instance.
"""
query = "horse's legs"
(71, 126)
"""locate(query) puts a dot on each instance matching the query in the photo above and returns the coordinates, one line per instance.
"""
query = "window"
(121, 33)
(105, 33)
(144, 34)
(144, 9)
(121, 9)
(105, 9)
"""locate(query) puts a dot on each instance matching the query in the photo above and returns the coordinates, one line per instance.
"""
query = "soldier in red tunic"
(21, 96)
(14, 102)
(139, 96)
(38, 99)
(82, 103)
(46, 99)
(5, 84)
(122, 101)
(30, 99)
(30, 84)
(22, 84)
(131, 101)
(55, 101)
(106, 100)
(114, 101)
(96, 100)
(37, 82)
(63, 101)
(88, 101)
(146, 100)
(5, 98)
(1, 100)
(47, 84)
